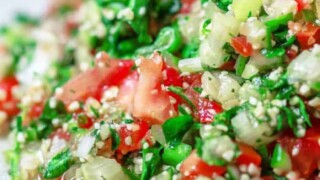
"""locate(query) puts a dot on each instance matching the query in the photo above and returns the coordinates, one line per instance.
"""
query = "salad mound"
(174, 89)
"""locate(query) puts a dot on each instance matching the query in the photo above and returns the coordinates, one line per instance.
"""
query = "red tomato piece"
(172, 78)
(194, 166)
(89, 83)
(8, 103)
(308, 36)
(127, 91)
(308, 148)
(248, 155)
(205, 109)
(131, 136)
(186, 6)
(61, 134)
(228, 66)
(151, 101)
(301, 4)
(292, 54)
(242, 46)
(84, 122)
(35, 111)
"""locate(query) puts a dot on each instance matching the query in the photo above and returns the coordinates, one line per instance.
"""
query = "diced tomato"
(228, 66)
(89, 83)
(131, 136)
(84, 122)
(308, 36)
(194, 166)
(248, 155)
(61, 134)
(186, 6)
(35, 111)
(267, 178)
(242, 46)
(70, 26)
(151, 101)
(206, 109)
(127, 91)
(308, 148)
(301, 4)
(291, 53)
(8, 103)
(172, 78)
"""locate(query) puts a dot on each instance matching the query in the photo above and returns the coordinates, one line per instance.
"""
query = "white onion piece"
(190, 65)
(305, 67)
(250, 133)
(157, 132)
(249, 71)
(211, 52)
(85, 145)
(99, 167)
(317, 5)
(277, 8)
(221, 87)
(263, 63)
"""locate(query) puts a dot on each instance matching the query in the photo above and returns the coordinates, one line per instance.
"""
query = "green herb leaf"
(223, 4)
(175, 155)
(115, 139)
(150, 165)
(59, 164)
(175, 128)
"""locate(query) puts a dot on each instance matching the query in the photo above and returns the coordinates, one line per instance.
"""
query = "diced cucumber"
(244, 9)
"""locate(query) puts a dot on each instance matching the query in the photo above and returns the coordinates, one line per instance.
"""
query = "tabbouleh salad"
(163, 90)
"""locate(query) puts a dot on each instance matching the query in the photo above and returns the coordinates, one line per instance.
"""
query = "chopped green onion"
(175, 155)
(175, 128)
(280, 159)
(240, 64)
(59, 164)
(115, 139)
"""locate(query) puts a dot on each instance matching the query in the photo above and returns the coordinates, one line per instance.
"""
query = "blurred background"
(9, 9)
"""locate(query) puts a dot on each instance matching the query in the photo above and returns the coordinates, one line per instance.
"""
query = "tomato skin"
(305, 162)
(9, 103)
(308, 36)
(186, 6)
(194, 166)
(89, 83)
(242, 46)
(152, 101)
(136, 136)
(248, 155)
(205, 109)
